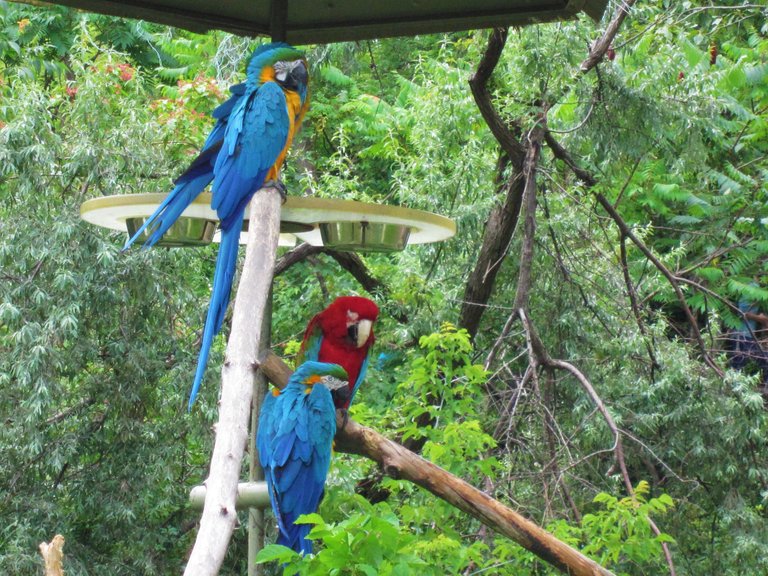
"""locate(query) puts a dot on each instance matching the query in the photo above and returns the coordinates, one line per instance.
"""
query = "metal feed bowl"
(184, 232)
(364, 236)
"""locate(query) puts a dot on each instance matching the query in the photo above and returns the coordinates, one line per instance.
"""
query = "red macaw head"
(348, 322)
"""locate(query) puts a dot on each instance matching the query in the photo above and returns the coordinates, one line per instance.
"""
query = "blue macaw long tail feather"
(226, 262)
(171, 208)
(296, 539)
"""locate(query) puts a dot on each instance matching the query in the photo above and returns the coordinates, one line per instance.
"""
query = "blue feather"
(294, 439)
(360, 375)
(250, 133)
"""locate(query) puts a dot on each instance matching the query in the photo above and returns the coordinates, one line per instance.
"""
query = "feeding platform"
(337, 224)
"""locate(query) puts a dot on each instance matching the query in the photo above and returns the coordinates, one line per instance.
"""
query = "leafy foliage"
(97, 347)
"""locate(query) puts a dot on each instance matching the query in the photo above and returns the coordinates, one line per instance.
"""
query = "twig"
(599, 48)
(633, 298)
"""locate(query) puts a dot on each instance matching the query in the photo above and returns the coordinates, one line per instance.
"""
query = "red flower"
(126, 72)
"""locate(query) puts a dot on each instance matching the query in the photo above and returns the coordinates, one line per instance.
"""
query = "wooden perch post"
(399, 462)
(237, 377)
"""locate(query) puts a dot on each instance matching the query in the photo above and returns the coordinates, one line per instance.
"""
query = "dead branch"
(529, 234)
(533, 150)
(539, 355)
(398, 462)
(53, 556)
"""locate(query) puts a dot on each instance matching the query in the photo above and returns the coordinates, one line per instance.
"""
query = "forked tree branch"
(398, 462)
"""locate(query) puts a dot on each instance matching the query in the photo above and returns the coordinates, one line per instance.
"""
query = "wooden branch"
(296, 255)
(398, 462)
(524, 279)
(237, 376)
(599, 48)
(499, 229)
(350, 261)
(53, 556)
(479, 86)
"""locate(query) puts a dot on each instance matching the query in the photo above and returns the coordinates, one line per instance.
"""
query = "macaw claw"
(278, 185)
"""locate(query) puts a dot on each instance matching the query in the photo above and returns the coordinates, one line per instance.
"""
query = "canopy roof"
(323, 21)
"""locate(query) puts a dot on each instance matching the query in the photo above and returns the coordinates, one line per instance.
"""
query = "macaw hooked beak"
(292, 75)
(359, 332)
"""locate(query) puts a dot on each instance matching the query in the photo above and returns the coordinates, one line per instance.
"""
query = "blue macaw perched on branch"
(342, 334)
(244, 151)
(295, 436)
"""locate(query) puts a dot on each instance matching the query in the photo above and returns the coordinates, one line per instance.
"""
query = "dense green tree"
(669, 130)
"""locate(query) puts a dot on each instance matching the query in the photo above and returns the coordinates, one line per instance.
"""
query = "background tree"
(667, 132)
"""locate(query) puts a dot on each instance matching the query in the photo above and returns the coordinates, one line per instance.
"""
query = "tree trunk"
(53, 556)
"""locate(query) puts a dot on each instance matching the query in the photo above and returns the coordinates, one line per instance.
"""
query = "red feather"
(336, 346)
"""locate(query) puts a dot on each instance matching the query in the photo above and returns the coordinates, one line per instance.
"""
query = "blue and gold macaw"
(295, 436)
(244, 150)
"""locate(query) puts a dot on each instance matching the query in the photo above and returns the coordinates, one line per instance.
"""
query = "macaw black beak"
(341, 396)
(293, 75)
(299, 74)
(339, 389)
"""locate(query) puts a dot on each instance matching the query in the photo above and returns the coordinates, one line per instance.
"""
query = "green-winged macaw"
(342, 334)
(244, 150)
(294, 440)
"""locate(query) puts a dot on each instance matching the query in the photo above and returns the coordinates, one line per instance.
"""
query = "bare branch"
(599, 48)
(533, 150)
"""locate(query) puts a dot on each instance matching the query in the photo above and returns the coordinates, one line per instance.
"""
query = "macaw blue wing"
(300, 480)
(254, 137)
(295, 437)
(194, 180)
(256, 134)
(310, 346)
(360, 375)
